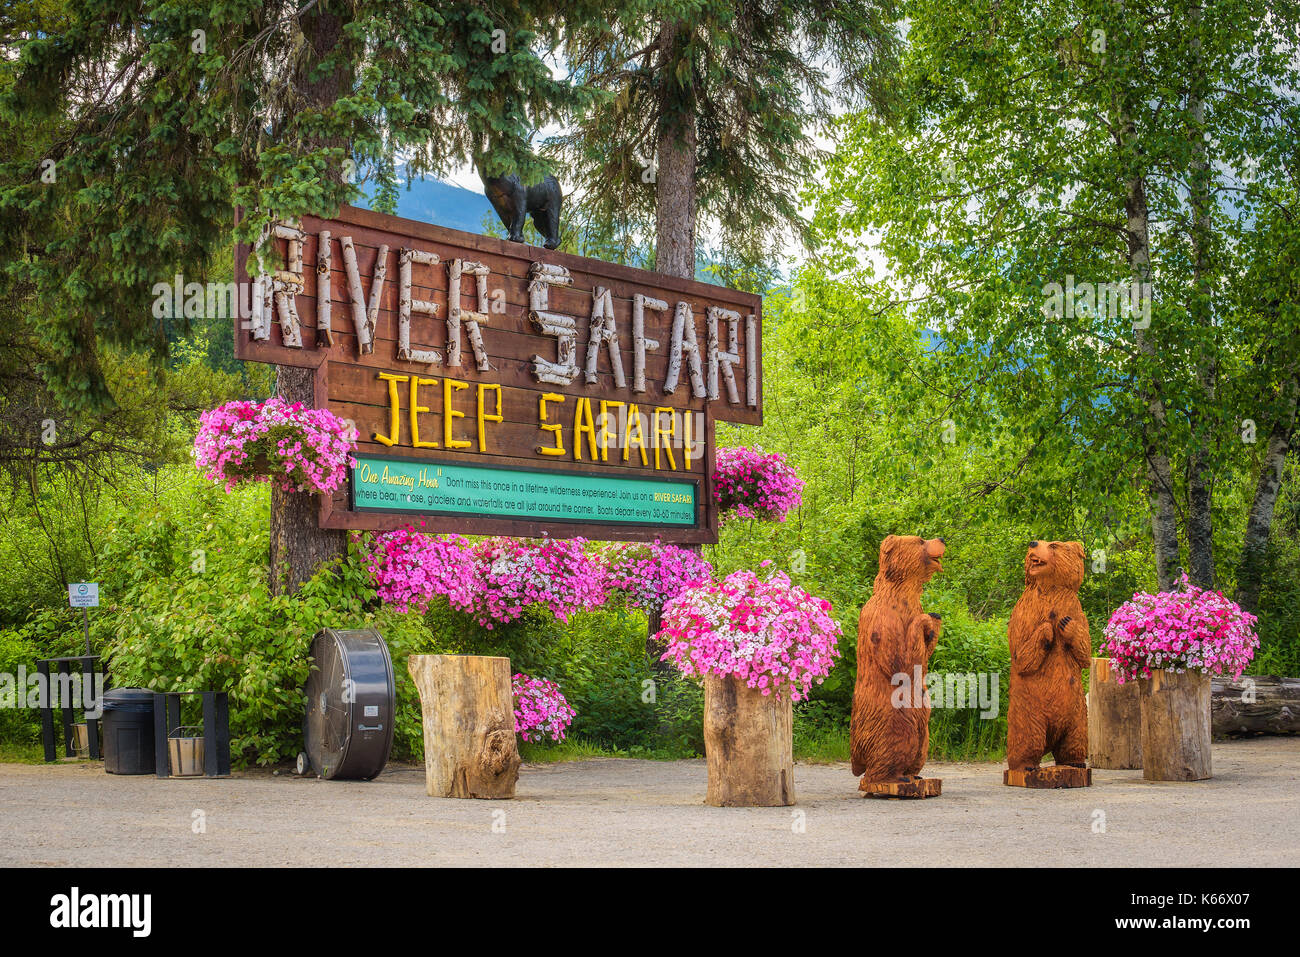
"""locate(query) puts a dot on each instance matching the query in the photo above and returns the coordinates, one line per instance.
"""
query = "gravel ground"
(624, 812)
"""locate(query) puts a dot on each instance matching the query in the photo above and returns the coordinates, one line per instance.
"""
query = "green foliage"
(159, 119)
(18, 726)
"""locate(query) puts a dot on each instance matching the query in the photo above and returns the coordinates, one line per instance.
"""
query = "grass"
(821, 746)
(582, 749)
(21, 753)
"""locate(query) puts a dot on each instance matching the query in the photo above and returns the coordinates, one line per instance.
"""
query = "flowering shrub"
(512, 573)
(305, 449)
(646, 576)
(767, 632)
(1180, 631)
(751, 483)
(541, 711)
(408, 568)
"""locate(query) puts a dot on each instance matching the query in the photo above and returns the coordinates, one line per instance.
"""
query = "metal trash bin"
(127, 727)
(185, 754)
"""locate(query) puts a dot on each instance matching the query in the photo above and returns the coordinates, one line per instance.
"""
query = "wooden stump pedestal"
(1176, 726)
(748, 745)
(915, 788)
(1050, 776)
(469, 725)
(1114, 720)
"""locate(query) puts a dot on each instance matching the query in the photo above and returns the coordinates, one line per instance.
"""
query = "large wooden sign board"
(500, 388)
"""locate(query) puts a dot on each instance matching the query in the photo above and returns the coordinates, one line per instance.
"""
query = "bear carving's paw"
(1064, 623)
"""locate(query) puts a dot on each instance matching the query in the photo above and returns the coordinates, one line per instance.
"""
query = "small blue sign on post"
(83, 595)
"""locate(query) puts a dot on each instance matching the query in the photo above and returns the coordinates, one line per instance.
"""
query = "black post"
(216, 734)
(85, 625)
(160, 735)
(65, 708)
(47, 716)
(88, 673)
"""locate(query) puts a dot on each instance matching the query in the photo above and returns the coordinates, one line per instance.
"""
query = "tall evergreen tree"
(171, 114)
(710, 112)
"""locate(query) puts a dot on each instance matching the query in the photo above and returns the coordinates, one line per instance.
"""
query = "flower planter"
(1176, 726)
(748, 744)
(1114, 720)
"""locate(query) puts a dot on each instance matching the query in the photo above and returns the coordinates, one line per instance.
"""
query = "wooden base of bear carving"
(1052, 776)
(915, 788)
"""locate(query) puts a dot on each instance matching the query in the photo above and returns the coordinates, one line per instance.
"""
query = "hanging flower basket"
(646, 576)
(541, 710)
(409, 568)
(305, 450)
(751, 483)
(758, 645)
(511, 574)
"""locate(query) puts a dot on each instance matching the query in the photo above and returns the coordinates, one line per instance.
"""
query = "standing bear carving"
(1050, 647)
(895, 637)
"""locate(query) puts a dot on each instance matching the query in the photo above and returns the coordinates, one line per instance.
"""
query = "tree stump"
(469, 725)
(1176, 726)
(1114, 720)
(748, 744)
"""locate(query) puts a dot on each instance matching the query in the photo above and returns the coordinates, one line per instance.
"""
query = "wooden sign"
(500, 388)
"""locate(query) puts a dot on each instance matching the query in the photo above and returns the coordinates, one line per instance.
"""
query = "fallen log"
(1257, 704)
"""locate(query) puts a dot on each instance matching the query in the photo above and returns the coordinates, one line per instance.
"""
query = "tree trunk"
(1114, 720)
(1164, 513)
(469, 725)
(1250, 567)
(1259, 704)
(1176, 726)
(1200, 488)
(676, 156)
(748, 745)
(299, 546)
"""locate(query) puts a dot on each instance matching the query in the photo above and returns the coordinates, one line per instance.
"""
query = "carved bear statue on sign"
(514, 201)
(1050, 648)
(889, 742)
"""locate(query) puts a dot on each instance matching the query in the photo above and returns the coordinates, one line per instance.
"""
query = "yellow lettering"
(688, 425)
(449, 415)
(581, 411)
(634, 420)
(487, 416)
(605, 433)
(558, 448)
(660, 433)
(394, 409)
(416, 409)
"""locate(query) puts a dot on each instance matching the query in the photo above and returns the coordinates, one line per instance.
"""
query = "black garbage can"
(127, 727)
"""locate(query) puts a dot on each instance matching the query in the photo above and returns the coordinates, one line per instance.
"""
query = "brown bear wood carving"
(1050, 648)
(895, 637)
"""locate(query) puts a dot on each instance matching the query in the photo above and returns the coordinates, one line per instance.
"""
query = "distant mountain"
(433, 201)
(443, 204)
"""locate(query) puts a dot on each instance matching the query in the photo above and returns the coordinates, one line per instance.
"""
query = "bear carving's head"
(910, 558)
(1055, 565)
